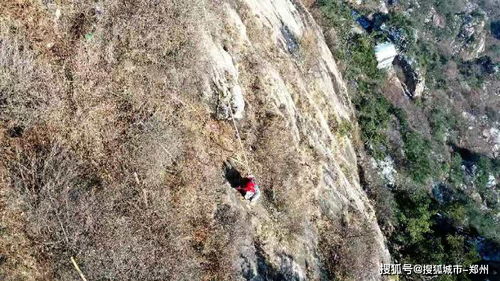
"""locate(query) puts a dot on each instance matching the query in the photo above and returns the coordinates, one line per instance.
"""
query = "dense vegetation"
(426, 214)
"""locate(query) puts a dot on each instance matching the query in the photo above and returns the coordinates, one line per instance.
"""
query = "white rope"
(239, 139)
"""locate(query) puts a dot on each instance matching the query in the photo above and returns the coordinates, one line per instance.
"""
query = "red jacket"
(249, 186)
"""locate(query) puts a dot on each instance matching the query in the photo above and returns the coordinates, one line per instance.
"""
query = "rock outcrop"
(385, 54)
(413, 81)
(470, 42)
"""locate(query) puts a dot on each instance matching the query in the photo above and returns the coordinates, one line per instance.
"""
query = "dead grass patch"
(344, 249)
(100, 169)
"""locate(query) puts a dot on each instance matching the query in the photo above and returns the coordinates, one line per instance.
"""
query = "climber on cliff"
(249, 189)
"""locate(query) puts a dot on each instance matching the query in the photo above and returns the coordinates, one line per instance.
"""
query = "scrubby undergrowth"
(437, 197)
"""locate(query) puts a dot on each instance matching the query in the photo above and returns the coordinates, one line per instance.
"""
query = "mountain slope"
(115, 127)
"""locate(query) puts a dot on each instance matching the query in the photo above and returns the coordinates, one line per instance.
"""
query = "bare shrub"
(153, 148)
(27, 88)
(70, 211)
(104, 181)
(345, 250)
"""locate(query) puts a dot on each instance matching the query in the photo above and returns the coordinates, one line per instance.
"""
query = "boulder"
(385, 53)
(471, 39)
(413, 81)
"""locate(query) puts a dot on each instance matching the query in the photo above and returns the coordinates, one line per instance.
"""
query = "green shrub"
(483, 222)
(413, 215)
(431, 62)
(483, 172)
(485, 169)
(336, 12)
(442, 122)
(418, 151)
(345, 128)
(373, 117)
(361, 60)
(419, 163)
(420, 238)
(456, 174)
(449, 8)
(438, 124)
(457, 212)
(459, 251)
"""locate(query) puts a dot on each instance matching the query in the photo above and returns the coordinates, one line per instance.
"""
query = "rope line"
(241, 142)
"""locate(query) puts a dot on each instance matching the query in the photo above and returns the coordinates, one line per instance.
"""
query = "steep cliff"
(116, 125)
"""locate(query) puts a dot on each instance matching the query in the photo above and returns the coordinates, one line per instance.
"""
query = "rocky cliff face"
(278, 61)
(126, 126)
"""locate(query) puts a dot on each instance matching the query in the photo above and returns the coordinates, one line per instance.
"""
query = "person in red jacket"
(249, 189)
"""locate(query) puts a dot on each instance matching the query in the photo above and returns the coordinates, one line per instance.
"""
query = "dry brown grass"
(28, 88)
(99, 166)
(345, 251)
